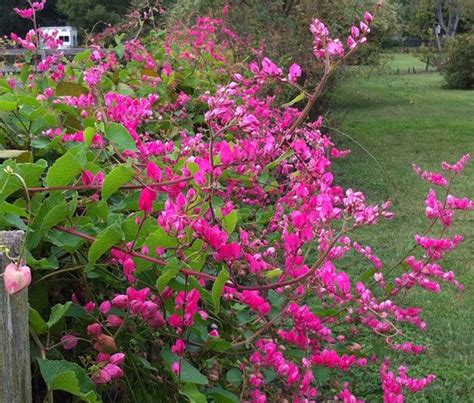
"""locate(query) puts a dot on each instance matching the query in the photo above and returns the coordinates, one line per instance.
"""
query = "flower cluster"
(195, 214)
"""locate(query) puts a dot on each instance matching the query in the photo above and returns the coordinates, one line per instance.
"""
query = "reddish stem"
(206, 276)
(99, 187)
(151, 259)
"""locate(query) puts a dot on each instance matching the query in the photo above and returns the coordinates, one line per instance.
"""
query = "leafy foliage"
(457, 69)
(186, 232)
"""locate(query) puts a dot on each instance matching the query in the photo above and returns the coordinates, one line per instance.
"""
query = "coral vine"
(227, 202)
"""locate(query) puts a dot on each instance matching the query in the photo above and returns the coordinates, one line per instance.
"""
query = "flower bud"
(105, 344)
(113, 371)
(114, 321)
(101, 377)
(105, 307)
(69, 341)
(117, 358)
(95, 329)
(16, 278)
(120, 301)
(102, 357)
(157, 321)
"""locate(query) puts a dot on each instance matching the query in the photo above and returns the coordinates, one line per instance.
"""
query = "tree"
(448, 14)
(92, 14)
(11, 22)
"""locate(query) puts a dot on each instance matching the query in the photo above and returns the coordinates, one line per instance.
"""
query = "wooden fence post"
(15, 371)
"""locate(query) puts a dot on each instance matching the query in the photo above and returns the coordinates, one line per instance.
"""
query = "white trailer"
(67, 34)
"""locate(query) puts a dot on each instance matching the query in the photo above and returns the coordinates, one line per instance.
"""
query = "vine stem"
(210, 277)
(99, 187)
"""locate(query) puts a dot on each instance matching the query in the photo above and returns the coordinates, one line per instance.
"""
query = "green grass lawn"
(403, 119)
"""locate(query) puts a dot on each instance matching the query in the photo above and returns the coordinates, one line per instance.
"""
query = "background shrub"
(458, 70)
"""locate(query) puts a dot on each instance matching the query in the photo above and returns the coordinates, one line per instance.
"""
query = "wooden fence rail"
(15, 372)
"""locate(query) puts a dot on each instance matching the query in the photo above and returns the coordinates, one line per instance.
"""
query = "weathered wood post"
(15, 372)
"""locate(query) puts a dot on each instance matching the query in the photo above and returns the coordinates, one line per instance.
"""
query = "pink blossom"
(295, 73)
(179, 347)
(117, 359)
(229, 252)
(69, 341)
(114, 321)
(94, 329)
(105, 307)
(16, 278)
(270, 68)
(255, 301)
(176, 368)
(147, 197)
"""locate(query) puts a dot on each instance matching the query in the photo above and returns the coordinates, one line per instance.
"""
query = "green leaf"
(8, 106)
(170, 271)
(219, 345)
(106, 239)
(69, 377)
(66, 381)
(295, 100)
(119, 135)
(322, 374)
(37, 323)
(57, 313)
(217, 288)
(5, 154)
(158, 238)
(6, 207)
(191, 391)
(55, 215)
(222, 396)
(287, 154)
(25, 71)
(273, 273)
(64, 169)
(230, 221)
(234, 376)
(119, 176)
(189, 373)
(70, 89)
(145, 363)
(80, 57)
(89, 134)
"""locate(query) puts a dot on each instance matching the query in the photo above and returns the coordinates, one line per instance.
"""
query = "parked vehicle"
(67, 34)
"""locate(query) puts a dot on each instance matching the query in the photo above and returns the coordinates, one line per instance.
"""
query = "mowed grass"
(403, 119)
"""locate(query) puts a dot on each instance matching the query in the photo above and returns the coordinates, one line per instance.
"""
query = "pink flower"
(229, 252)
(335, 48)
(16, 278)
(368, 18)
(129, 269)
(89, 306)
(101, 377)
(295, 73)
(147, 197)
(69, 341)
(114, 321)
(153, 171)
(117, 358)
(214, 333)
(120, 301)
(105, 307)
(270, 68)
(255, 301)
(94, 329)
(179, 347)
(176, 368)
(114, 371)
